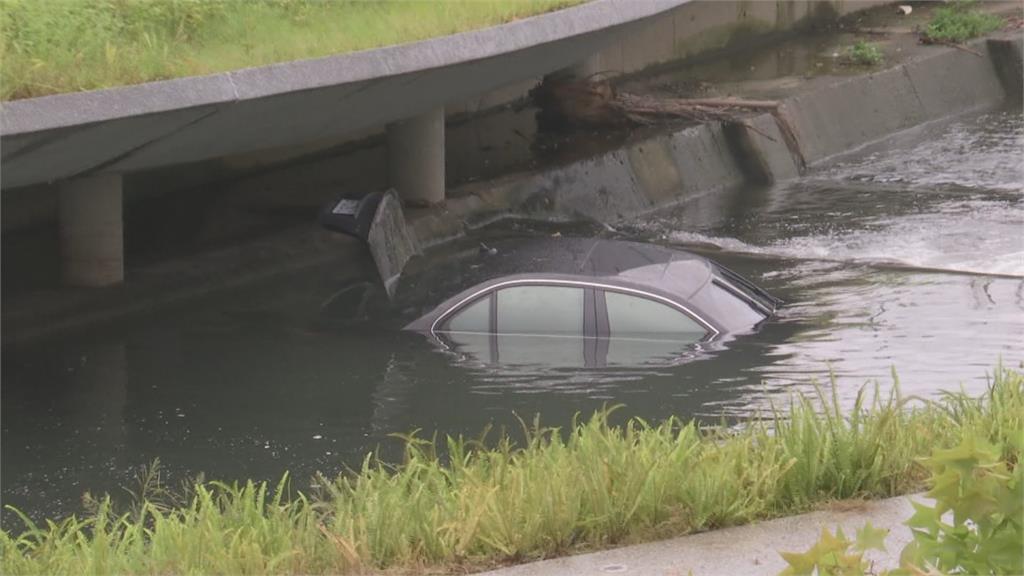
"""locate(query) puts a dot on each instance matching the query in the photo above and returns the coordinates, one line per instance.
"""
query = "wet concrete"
(751, 549)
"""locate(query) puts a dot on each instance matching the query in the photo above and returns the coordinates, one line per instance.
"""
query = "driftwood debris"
(594, 103)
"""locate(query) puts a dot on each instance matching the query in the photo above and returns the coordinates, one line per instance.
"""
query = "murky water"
(908, 254)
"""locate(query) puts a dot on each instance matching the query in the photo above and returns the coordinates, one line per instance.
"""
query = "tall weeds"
(590, 486)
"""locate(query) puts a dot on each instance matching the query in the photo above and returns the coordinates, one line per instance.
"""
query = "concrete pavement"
(750, 549)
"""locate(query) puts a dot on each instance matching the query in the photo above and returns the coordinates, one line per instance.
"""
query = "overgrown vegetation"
(592, 486)
(65, 46)
(983, 534)
(864, 53)
(958, 21)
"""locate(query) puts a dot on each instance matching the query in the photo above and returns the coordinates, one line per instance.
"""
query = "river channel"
(907, 255)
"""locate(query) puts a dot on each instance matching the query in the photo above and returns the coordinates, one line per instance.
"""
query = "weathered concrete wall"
(479, 144)
(1006, 58)
(700, 27)
(691, 30)
(940, 84)
(691, 164)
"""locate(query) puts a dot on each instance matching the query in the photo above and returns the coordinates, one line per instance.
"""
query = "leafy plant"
(974, 488)
(959, 21)
(485, 503)
(864, 53)
(986, 499)
(836, 555)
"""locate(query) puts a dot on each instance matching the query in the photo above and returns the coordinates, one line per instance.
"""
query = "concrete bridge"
(83, 144)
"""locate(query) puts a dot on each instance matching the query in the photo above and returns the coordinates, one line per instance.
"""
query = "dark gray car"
(580, 301)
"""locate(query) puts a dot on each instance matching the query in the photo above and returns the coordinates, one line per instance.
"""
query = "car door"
(635, 328)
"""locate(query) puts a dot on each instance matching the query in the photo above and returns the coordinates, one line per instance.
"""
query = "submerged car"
(580, 301)
(552, 300)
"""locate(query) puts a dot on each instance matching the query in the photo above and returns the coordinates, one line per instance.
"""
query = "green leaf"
(871, 538)
(924, 517)
(800, 564)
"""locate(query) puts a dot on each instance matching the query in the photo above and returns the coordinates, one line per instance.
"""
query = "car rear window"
(473, 318)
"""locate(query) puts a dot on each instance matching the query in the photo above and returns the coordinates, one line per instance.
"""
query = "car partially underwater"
(554, 300)
(581, 302)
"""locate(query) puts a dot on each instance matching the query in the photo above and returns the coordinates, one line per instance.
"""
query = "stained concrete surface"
(750, 549)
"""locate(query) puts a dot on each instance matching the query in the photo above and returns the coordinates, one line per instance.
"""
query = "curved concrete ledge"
(183, 120)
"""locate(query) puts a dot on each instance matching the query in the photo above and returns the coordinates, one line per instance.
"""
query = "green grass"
(53, 46)
(960, 21)
(491, 503)
(864, 53)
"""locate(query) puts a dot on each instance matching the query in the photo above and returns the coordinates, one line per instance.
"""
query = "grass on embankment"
(70, 45)
(959, 21)
(596, 486)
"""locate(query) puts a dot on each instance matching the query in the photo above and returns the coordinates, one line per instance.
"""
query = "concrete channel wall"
(690, 30)
(369, 120)
(827, 119)
(77, 126)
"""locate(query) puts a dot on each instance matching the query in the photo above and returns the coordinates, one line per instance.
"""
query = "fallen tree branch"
(593, 102)
(960, 47)
(728, 102)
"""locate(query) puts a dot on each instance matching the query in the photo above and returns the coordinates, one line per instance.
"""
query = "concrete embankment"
(828, 116)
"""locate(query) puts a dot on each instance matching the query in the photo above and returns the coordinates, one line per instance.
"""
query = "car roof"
(429, 281)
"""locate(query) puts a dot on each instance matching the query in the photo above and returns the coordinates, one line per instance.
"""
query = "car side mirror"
(377, 220)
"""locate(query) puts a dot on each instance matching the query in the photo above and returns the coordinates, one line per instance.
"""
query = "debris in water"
(593, 102)
(904, 9)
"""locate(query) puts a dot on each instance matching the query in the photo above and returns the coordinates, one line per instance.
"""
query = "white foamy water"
(968, 238)
(977, 152)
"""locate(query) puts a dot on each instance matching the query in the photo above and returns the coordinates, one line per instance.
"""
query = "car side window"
(476, 317)
(538, 309)
(632, 316)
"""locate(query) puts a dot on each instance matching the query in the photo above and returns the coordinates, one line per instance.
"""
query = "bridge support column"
(91, 231)
(416, 158)
(585, 68)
